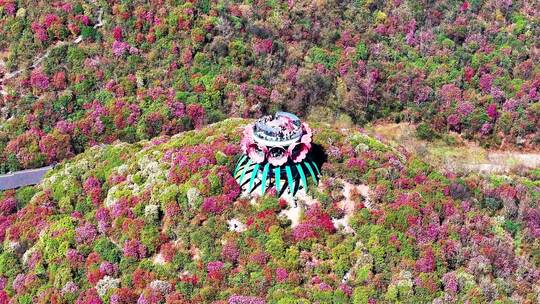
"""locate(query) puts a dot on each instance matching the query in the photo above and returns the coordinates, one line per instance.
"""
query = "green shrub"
(291, 300)
(24, 195)
(361, 51)
(425, 132)
(324, 57)
(362, 294)
(88, 32)
(512, 227)
(150, 238)
(107, 250)
(9, 264)
(492, 204)
(84, 206)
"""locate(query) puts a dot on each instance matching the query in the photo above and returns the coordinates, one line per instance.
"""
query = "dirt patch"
(462, 157)
(348, 204)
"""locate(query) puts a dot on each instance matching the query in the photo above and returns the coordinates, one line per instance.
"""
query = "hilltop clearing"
(455, 154)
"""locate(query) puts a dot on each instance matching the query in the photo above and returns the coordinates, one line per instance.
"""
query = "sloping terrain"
(77, 73)
(161, 221)
(455, 154)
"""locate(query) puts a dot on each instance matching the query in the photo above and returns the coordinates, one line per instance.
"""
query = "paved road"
(22, 178)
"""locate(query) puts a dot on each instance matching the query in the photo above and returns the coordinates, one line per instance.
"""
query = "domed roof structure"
(276, 153)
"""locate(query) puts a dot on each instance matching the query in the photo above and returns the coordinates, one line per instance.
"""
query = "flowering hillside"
(80, 73)
(162, 221)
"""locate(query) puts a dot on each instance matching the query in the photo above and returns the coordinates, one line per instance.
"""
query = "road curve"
(23, 178)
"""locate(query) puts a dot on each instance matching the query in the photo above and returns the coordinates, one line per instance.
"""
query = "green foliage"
(84, 206)
(425, 132)
(391, 294)
(12, 163)
(88, 32)
(361, 295)
(68, 190)
(269, 203)
(397, 220)
(291, 300)
(75, 56)
(275, 244)
(321, 56)
(341, 258)
(61, 275)
(519, 23)
(372, 143)
(512, 227)
(9, 264)
(361, 51)
(25, 299)
(291, 257)
(363, 273)
(149, 237)
(58, 238)
(111, 158)
(107, 250)
(24, 195)
(168, 194)
(323, 296)
(340, 297)
(492, 203)
(221, 158)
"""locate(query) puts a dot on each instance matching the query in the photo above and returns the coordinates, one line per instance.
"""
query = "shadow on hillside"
(318, 155)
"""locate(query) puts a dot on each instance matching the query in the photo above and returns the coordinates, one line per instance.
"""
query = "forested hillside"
(79, 73)
(162, 221)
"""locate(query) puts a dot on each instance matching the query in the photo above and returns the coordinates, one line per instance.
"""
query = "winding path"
(38, 60)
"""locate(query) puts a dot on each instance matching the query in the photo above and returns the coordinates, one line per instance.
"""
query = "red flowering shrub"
(117, 33)
(124, 296)
(26, 149)
(39, 80)
(92, 187)
(134, 249)
(56, 147)
(8, 205)
(197, 114)
(315, 221)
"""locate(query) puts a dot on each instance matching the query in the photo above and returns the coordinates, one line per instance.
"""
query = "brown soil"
(463, 157)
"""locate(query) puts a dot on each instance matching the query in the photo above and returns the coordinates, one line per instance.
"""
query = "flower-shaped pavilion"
(276, 153)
